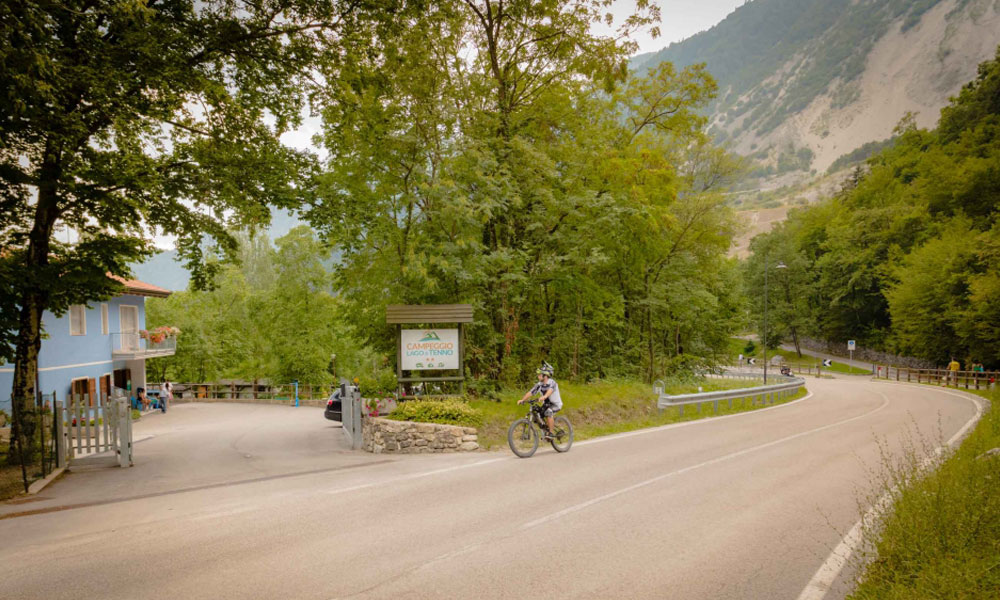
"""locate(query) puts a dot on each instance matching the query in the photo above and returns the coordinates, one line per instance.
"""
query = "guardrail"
(762, 394)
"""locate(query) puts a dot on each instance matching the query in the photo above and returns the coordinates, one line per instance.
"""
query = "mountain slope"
(802, 82)
(164, 270)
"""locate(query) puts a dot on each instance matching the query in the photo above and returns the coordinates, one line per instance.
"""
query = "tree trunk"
(650, 347)
(795, 339)
(33, 304)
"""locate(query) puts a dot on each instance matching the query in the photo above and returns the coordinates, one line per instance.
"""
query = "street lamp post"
(780, 265)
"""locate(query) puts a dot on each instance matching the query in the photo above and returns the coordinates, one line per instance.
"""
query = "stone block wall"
(385, 436)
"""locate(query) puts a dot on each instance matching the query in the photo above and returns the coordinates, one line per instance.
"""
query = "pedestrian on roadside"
(167, 396)
(143, 400)
(953, 368)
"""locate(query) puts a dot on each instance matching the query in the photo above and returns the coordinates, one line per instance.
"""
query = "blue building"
(92, 348)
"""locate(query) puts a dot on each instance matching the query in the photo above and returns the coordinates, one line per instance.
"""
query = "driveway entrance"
(195, 446)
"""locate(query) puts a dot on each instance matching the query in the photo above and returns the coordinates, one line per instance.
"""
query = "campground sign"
(428, 349)
(424, 346)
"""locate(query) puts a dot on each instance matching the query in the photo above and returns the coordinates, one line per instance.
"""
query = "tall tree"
(123, 118)
(502, 154)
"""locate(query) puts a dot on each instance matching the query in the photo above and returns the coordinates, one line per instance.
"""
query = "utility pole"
(780, 265)
(764, 341)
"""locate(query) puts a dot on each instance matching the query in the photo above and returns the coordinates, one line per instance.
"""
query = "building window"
(78, 319)
(104, 319)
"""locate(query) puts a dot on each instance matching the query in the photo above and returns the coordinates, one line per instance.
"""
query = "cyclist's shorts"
(549, 409)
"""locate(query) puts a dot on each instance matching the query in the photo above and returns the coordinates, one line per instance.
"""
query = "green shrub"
(686, 367)
(448, 412)
(378, 385)
(136, 415)
(483, 388)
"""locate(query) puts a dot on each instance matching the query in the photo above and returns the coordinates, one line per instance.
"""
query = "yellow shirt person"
(953, 369)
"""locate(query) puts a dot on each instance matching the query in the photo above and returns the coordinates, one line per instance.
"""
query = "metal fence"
(970, 380)
(34, 456)
(763, 394)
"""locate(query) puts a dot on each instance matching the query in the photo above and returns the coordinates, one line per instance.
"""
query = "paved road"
(747, 506)
(860, 364)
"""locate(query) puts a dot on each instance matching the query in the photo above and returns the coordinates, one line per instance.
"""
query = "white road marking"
(609, 438)
(365, 486)
(723, 458)
(827, 574)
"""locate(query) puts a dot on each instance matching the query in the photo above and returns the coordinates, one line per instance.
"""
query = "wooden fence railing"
(970, 380)
(310, 395)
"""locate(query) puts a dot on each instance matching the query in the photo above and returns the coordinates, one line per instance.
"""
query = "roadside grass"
(11, 483)
(604, 408)
(941, 538)
(736, 346)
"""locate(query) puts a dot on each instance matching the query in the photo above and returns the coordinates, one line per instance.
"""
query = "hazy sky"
(678, 19)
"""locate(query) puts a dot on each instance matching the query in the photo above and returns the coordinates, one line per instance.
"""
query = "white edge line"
(598, 440)
(824, 578)
(577, 507)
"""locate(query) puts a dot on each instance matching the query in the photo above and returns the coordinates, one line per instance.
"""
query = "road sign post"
(850, 349)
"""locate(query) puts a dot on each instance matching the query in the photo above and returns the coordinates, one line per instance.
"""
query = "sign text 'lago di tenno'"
(424, 349)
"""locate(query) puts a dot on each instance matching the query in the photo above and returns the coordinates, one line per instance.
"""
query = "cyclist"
(549, 390)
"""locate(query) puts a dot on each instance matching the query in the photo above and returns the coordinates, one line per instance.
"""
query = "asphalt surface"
(747, 506)
(860, 364)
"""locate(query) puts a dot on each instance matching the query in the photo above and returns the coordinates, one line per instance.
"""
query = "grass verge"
(941, 540)
(605, 408)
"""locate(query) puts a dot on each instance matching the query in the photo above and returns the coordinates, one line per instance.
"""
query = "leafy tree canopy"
(501, 154)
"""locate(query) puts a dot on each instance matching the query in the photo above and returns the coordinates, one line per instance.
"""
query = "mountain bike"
(524, 433)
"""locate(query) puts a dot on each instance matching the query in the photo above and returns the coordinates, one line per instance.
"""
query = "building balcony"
(132, 346)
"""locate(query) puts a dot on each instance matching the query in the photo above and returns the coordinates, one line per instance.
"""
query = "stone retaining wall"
(384, 436)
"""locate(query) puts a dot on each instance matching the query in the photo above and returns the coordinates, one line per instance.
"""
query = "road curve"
(739, 507)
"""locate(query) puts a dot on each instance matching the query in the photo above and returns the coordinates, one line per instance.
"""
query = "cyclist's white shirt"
(541, 388)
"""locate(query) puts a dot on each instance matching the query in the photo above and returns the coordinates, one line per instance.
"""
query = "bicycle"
(523, 434)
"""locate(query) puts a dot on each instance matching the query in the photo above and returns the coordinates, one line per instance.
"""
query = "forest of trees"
(905, 258)
(272, 315)
(506, 159)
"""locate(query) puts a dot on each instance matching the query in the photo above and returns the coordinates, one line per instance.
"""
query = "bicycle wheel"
(522, 438)
(564, 435)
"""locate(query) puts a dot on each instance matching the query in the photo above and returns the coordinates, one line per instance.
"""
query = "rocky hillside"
(803, 82)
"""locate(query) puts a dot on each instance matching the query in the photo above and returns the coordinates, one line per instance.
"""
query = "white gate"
(95, 426)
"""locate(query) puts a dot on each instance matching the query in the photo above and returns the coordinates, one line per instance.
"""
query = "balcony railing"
(133, 345)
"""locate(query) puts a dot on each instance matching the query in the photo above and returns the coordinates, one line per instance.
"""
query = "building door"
(128, 318)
